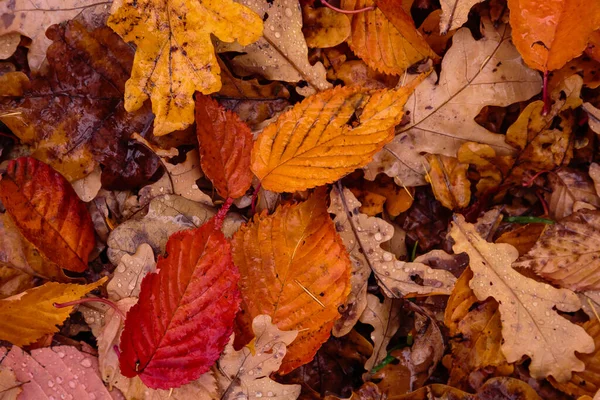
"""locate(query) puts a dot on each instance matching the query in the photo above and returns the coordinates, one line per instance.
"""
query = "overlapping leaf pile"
(364, 199)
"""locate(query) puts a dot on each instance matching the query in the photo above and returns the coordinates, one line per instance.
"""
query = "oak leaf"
(314, 142)
(531, 325)
(455, 13)
(48, 212)
(550, 35)
(387, 45)
(293, 267)
(30, 315)
(475, 73)
(195, 286)
(225, 145)
(175, 56)
(568, 252)
(448, 178)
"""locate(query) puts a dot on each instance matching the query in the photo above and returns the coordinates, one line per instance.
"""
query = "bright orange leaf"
(293, 267)
(225, 145)
(48, 212)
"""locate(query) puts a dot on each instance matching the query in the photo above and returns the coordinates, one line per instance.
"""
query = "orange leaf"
(316, 143)
(550, 33)
(48, 212)
(293, 267)
(225, 145)
(385, 38)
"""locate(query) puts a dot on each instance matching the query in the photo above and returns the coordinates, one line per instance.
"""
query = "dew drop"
(277, 35)
(288, 12)
(121, 268)
(86, 362)
(72, 384)
(270, 394)
(50, 383)
(258, 394)
(535, 303)
(92, 396)
(119, 285)
(387, 257)
(91, 320)
(59, 380)
(378, 236)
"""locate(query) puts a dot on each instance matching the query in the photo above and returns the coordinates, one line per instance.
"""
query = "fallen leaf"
(13, 281)
(88, 187)
(289, 155)
(130, 272)
(368, 391)
(32, 20)
(593, 48)
(195, 287)
(235, 88)
(10, 387)
(398, 199)
(427, 349)
(281, 54)
(384, 318)
(431, 31)
(594, 117)
(58, 371)
(323, 27)
(583, 66)
(449, 182)
(567, 252)
(522, 238)
(530, 324)
(48, 212)
(550, 35)
(245, 373)
(569, 187)
(455, 13)
(32, 313)
(182, 27)
(225, 145)
(475, 73)
(8, 43)
(492, 169)
(293, 267)
(357, 73)
(389, 46)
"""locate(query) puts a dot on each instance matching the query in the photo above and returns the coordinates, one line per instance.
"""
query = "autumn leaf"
(225, 145)
(455, 13)
(30, 315)
(475, 73)
(313, 143)
(492, 169)
(195, 287)
(175, 56)
(549, 35)
(293, 267)
(130, 272)
(449, 182)
(48, 212)
(323, 27)
(530, 323)
(387, 45)
(570, 189)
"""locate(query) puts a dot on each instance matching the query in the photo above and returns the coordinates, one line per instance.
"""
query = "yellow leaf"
(28, 316)
(175, 56)
(449, 182)
(316, 143)
(324, 27)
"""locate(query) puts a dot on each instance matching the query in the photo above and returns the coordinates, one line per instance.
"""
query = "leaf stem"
(220, 217)
(334, 8)
(545, 96)
(92, 299)
(255, 198)
(529, 220)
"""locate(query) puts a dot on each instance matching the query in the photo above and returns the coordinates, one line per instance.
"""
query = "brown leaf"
(522, 238)
(570, 187)
(449, 182)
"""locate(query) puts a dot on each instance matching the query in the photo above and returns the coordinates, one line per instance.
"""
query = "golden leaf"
(449, 182)
(175, 56)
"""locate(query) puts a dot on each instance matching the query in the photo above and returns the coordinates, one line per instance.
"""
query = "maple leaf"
(281, 54)
(475, 73)
(48, 212)
(195, 286)
(530, 324)
(387, 45)
(313, 143)
(549, 36)
(449, 182)
(175, 56)
(293, 267)
(225, 145)
(30, 315)
(73, 116)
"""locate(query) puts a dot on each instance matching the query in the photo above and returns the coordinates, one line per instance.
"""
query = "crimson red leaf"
(225, 145)
(48, 212)
(185, 314)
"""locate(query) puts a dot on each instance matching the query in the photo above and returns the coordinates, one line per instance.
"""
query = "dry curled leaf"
(531, 325)
(449, 182)
(175, 56)
(569, 188)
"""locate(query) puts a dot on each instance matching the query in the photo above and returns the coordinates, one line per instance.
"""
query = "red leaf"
(185, 314)
(225, 145)
(47, 211)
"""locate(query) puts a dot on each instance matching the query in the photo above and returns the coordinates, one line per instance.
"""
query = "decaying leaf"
(522, 238)
(281, 54)
(195, 287)
(10, 387)
(13, 281)
(8, 43)
(567, 252)
(455, 13)
(324, 27)
(293, 267)
(175, 56)
(594, 117)
(244, 374)
(569, 188)
(130, 272)
(530, 323)
(449, 182)
(30, 315)
(492, 169)
(550, 35)
(475, 73)
(47, 211)
(314, 143)
(88, 187)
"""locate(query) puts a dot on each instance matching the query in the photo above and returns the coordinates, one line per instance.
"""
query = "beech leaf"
(293, 267)
(313, 143)
(175, 56)
(531, 325)
(29, 315)
(225, 145)
(195, 287)
(48, 212)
